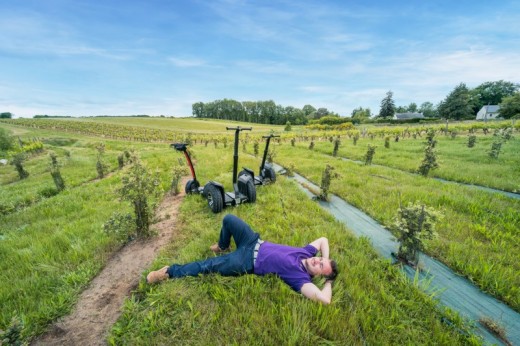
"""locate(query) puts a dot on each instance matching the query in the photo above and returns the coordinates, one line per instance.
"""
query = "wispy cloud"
(193, 62)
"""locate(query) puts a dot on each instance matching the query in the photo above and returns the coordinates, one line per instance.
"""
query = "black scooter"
(267, 173)
(243, 187)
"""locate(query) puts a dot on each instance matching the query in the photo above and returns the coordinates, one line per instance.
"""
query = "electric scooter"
(243, 187)
(267, 173)
(193, 185)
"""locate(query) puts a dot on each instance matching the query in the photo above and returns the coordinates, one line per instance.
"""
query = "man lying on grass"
(295, 266)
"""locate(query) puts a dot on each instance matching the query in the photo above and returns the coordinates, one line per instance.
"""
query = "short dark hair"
(334, 273)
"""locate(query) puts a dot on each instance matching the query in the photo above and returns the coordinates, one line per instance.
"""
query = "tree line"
(262, 112)
(462, 102)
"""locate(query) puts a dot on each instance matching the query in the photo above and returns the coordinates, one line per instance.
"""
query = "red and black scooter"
(267, 173)
(243, 187)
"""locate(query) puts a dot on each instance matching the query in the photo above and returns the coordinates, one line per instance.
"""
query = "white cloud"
(193, 62)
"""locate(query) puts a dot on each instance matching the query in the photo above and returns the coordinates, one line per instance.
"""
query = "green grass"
(456, 161)
(180, 124)
(478, 236)
(372, 300)
(50, 250)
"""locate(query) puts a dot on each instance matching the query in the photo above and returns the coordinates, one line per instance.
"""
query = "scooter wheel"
(192, 186)
(250, 191)
(270, 173)
(214, 197)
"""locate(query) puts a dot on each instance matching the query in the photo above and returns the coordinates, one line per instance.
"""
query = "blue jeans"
(235, 263)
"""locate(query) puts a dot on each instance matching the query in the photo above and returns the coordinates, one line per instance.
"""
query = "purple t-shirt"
(286, 262)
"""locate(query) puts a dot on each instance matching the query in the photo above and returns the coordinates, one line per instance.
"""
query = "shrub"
(55, 172)
(6, 140)
(293, 141)
(17, 160)
(429, 161)
(311, 145)
(387, 142)
(255, 148)
(120, 161)
(121, 226)
(472, 139)
(356, 138)
(12, 336)
(326, 179)
(337, 143)
(287, 126)
(178, 173)
(139, 186)
(414, 224)
(370, 154)
(101, 166)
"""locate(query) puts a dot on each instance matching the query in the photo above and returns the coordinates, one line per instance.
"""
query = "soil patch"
(99, 306)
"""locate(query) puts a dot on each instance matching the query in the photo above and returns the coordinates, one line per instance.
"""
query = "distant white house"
(488, 112)
(407, 115)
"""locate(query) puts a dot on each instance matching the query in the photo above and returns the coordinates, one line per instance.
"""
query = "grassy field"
(478, 236)
(180, 124)
(457, 162)
(62, 238)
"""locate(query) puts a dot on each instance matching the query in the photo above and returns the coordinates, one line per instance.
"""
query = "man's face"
(318, 266)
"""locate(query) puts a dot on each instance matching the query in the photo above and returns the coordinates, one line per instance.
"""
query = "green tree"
(198, 110)
(457, 104)
(6, 115)
(428, 110)
(412, 107)
(308, 110)
(510, 106)
(387, 106)
(360, 115)
(492, 93)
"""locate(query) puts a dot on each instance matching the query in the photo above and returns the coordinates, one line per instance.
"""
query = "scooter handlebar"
(271, 136)
(239, 128)
(179, 146)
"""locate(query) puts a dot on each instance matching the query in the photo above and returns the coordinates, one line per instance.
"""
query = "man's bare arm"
(322, 244)
(312, 292)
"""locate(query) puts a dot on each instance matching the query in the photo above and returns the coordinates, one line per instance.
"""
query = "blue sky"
(79, 58)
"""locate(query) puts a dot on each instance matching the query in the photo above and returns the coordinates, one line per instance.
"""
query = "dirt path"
(99, 306)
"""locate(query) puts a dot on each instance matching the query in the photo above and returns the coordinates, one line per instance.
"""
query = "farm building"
(407, 115)
(488, 112)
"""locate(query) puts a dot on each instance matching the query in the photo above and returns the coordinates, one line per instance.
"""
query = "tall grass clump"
(140, 186)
